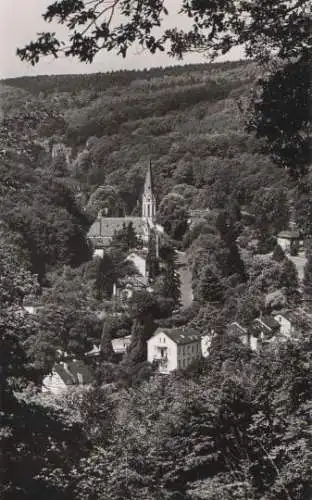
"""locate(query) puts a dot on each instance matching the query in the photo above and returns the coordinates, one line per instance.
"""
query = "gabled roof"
(236, 328)
(181, 335)
(269, 322)
(289, 235)
(70, 371)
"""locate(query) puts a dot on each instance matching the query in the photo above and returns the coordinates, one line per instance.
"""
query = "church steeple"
(149, 200)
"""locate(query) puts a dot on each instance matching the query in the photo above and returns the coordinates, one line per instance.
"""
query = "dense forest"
(236, 425)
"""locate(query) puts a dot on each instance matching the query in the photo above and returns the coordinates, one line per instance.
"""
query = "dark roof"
(105, 227)
(69, 372)
(237, 329)
(289, 235)
(270, 322)
(267, 325)
(182, 335)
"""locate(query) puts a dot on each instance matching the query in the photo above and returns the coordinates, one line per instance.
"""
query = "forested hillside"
(187, 120)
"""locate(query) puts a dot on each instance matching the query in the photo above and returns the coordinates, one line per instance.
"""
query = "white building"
(289, 240)
(245, 336)
(286, 324)
(121, 344)
(66, 375)
(138, 258)
(173, 348)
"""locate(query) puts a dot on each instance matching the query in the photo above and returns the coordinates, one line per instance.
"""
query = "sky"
(21, 20)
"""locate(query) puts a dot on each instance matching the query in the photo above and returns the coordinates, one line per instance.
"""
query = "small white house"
(66, 375)
(174, 348)
(138, 258)
(286, 324)
(245, 336)
(121, 344)
(289, 240)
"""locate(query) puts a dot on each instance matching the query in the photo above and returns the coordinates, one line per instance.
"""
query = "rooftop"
(70, 372)
(289, 235)
(182, 335)
(107, 226)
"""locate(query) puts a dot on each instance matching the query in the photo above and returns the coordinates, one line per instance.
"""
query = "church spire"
(149, 200)
(148, 185)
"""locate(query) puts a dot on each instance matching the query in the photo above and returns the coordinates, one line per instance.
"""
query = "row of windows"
(190, 349)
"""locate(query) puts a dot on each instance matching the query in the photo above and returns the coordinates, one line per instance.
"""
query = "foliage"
(173, 215)
(270, 207)
(125, 239)
(215, 28)
(278, 254)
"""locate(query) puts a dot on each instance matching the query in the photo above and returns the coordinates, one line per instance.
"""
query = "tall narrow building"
(148, 200)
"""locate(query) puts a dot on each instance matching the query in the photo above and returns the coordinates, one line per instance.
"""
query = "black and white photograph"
(156, 250)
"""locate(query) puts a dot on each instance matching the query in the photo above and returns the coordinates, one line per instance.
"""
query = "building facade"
(174, 348)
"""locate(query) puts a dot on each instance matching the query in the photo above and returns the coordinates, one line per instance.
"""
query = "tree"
(107, 352)
(271, 210)
(278, 254)
(137, 349)
(307, 279)
(289, 279)
(209, 288)
(152, 263)
(173, 215)
(126, 239)
(263, 29)
(171, 285)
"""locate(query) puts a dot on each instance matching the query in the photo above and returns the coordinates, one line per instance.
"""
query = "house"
(173, 348)
(289, 241)
(244, 335)
(262, 331)
(286, 322)
(139, 259)
(121, 344)
(66, 375)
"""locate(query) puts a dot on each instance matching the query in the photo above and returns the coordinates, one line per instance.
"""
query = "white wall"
(284, 243)
(161, 342)
(286, 327)
(139, 262)
(53, 383)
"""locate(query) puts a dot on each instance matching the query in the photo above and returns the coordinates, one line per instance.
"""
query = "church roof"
(105, 227)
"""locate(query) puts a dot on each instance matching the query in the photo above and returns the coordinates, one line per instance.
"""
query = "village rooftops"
(181, 335)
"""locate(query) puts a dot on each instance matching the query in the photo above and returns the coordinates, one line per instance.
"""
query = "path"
(299, 261)
(186, 280)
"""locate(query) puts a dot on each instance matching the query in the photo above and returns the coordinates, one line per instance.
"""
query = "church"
(104, 228)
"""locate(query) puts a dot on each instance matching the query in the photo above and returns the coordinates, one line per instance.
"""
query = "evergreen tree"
(289, 279)
(307, 279)
(105, 278)
(138, 350)
(171, 285)
(209, 288)
(107, 352)
(126, 239)
(152, 260)
(278, 254)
